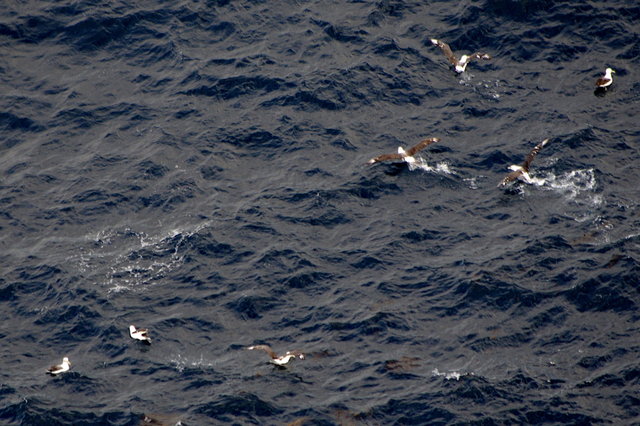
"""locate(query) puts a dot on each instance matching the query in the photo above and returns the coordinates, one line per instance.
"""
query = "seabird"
(159, 420)
(407, 155)
(54, 370)
(522, 171)
(606, 79)
(275, 359)
(141, 334)
(459, 64)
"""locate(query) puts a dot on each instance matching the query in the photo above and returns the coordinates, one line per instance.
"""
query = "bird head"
(295, 354)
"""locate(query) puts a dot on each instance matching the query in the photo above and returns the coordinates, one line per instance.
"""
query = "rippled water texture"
(199, 168)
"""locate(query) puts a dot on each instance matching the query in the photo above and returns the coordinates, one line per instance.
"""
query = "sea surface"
(199, 168)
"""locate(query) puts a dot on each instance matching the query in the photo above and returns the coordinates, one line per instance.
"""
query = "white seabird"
(141, 334)
(606, 80)
(54, 370)
(522, 171)
(459, 64)
(275, 359)
(406, 156)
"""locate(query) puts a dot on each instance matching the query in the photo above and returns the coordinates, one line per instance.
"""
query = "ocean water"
(199, 168)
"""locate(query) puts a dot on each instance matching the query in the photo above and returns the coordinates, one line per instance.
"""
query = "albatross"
(459, 64)
(275, 359)
(54, 370)
(522, 171)
(606, 80)
(406, 156)
(141, 334)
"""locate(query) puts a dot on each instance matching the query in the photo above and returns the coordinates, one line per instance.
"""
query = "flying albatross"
(459, 64)
(141, 334)
(406, 156)
(606, 80)
(275, 359)
(54, 370)
(522, 171)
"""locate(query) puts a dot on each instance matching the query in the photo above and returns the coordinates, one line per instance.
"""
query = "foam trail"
(440, 168)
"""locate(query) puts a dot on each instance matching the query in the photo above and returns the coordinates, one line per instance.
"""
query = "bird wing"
(602, 81)
(422, 145)
(532, 154)
(510, 177)
(480, 55)
(385, 157)
(447, 51)
(54, 369)
(265, 348)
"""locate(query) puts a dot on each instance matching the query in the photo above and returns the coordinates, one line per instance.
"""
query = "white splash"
(573, 183)
(453, 375)
(472, 181)
(578, 188)
(421, 164)
(180, 362)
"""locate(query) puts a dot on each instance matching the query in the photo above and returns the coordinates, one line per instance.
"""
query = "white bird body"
(284, 359)
(606, 80)
(521, 171)
(141, 334)
(54, 370)
(275, 359)
(406, 157)
(460, 65)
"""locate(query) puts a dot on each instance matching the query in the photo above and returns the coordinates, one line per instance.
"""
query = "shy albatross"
(141, 334)
(606, 80)
(275, 359)
(406, 156)
(459, 64)
(54, 370)
(522, 171)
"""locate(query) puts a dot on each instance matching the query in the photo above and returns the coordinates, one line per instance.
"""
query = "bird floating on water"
(606, 80)
(54, 370)
(522, 171)
(275, 359)
(406, 156)
(459, 64)
(158, 420)
(141, 334)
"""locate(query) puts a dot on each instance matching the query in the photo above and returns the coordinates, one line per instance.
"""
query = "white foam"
(117, 252)
(573, 183)
(440, 168)
(473, 183)
(453, 375)
(182, 362)
(578, 187)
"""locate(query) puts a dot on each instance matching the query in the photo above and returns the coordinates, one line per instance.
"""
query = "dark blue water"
(198, 168)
